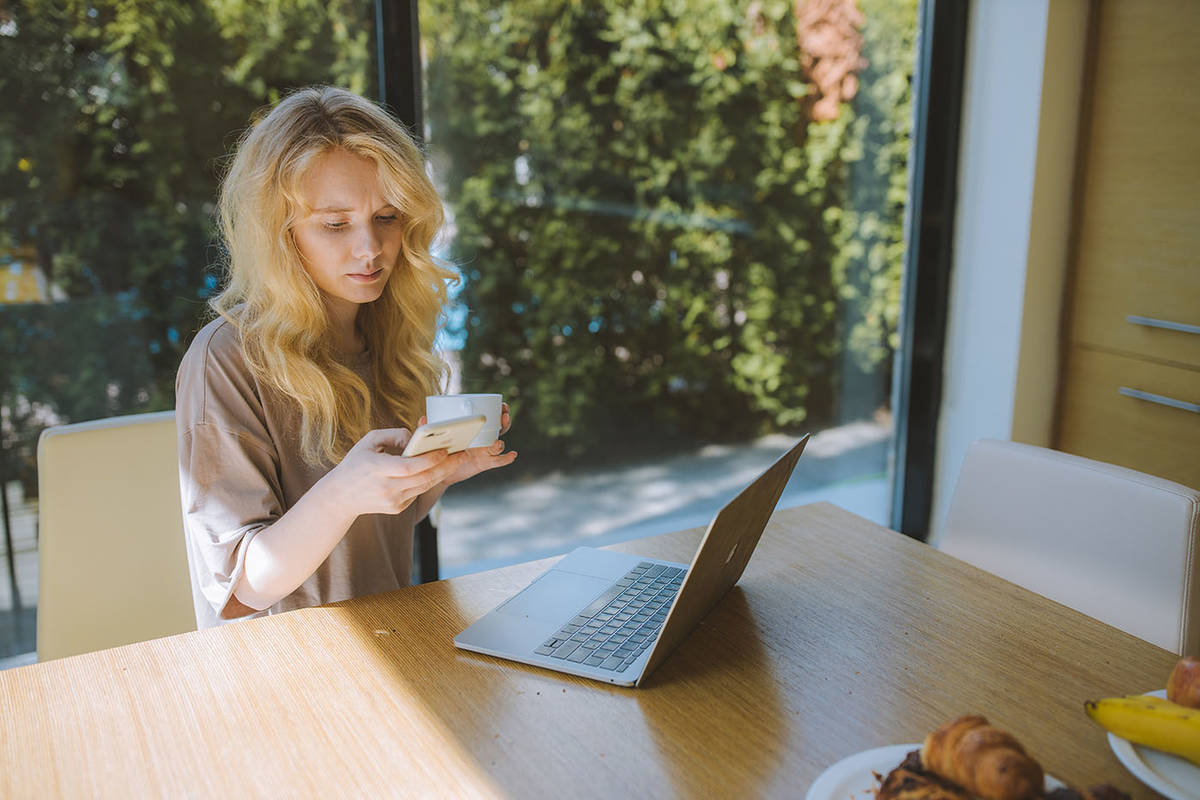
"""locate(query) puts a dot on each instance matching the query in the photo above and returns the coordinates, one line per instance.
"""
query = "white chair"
(1118, 545)
(113, 564)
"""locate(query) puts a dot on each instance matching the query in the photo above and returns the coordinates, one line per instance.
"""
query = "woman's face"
(350, 241)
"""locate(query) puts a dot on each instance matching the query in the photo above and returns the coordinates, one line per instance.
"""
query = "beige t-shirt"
(240, 469)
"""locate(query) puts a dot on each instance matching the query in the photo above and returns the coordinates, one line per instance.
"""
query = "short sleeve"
(229, 471)
(228, 496)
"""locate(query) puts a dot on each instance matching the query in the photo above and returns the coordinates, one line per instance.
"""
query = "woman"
(293, 404)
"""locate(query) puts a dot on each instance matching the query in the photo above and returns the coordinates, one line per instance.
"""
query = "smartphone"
(450, 434)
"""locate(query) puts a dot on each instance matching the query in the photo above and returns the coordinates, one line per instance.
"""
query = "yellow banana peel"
(1150, 721)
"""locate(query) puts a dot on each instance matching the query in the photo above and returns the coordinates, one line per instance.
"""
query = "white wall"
(1001, 110)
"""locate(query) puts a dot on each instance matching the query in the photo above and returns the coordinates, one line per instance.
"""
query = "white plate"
(853, 777)
(1169, 775)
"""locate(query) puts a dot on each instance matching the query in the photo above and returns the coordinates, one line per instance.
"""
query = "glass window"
(679, 227)
(114, 120)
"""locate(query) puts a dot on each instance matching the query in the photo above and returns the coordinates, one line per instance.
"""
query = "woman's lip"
(366, 276)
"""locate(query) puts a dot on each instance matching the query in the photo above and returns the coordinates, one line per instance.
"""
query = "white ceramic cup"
(448, 406)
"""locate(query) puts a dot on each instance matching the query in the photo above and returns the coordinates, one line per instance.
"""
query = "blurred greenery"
(113, 122)
(658, 243)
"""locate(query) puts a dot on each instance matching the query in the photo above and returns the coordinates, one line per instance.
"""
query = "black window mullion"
(933, 170)
(398, 53)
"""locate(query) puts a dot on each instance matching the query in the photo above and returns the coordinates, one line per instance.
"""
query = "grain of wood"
(840, 636)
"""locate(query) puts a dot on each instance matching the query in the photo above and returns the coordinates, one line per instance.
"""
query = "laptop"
(615, 617)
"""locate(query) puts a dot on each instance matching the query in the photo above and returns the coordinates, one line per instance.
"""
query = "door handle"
(1151, 322)
(1162, 400)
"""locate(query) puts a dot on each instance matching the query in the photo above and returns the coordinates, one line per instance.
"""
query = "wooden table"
(841, 636)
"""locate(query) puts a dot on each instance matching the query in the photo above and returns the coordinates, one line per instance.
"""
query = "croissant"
(986, 761)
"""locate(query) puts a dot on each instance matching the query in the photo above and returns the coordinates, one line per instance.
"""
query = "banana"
(1151, 721)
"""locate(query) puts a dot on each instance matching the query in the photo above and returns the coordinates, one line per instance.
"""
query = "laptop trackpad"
(555, 595)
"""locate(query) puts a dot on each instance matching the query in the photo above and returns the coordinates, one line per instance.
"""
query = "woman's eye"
(387, 219)
(335, 226)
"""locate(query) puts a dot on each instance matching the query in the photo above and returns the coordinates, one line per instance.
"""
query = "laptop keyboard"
(621, 623)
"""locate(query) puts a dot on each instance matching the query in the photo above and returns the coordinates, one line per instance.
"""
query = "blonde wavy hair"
(285, 328)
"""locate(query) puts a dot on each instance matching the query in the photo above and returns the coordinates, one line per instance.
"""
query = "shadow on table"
(710, 720)
(714, 707)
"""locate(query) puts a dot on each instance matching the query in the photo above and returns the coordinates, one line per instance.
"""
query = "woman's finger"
(420, 482)
(492, 462)
(487, 449)
(485, 458)
(397, 466)
(386, 439)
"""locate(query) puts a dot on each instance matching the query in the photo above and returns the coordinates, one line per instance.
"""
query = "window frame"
(928, 260)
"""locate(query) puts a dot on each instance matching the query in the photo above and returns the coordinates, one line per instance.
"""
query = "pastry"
(966, 758)
(986, 761)
(910, 782)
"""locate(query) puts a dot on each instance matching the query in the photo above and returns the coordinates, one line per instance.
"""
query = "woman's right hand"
(375, 479)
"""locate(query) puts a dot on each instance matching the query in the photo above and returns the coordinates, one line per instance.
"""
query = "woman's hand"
(374, 479)
(475, 460)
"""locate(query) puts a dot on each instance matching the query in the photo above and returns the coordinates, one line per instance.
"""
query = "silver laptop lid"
(723, 554)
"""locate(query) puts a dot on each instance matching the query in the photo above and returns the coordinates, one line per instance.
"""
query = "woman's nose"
(367, 245)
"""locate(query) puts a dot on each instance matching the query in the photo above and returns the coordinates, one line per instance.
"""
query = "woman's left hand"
(475, 460)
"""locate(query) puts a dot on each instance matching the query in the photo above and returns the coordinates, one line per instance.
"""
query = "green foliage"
(114, 122)
(655, 239)
(657, 242)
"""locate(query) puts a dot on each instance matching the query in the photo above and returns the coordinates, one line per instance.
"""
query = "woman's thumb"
(388, 438)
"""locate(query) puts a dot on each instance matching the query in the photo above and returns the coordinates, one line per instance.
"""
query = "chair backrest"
(1118, 545)
(113, 564)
